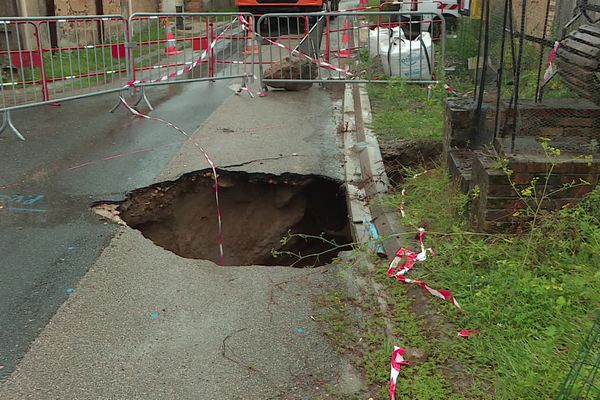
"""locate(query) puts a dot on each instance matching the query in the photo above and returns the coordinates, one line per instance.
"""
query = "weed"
(338, 324)
(537, 194)
(531, 314)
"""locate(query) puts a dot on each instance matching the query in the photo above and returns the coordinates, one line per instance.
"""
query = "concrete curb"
(386, 219)
(366, 183)
(365, 174)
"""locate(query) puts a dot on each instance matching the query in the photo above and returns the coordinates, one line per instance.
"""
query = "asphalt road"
(74, 155)
(141, 322)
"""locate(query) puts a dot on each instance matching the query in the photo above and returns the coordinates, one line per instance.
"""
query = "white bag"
(408, 59)
(382, 35)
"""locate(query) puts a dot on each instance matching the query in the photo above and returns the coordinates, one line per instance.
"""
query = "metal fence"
(52, 59)
(357, 46)
(582, 380)
(48, 60)
(529, 56)
(189, 47)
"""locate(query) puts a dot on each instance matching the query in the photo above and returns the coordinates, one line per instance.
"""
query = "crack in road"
(261, 159)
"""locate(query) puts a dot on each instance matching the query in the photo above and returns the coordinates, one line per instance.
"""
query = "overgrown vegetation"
(407, 111)
(532, 304)
(532, 296)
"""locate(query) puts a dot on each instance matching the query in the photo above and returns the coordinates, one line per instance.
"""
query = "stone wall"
(571, 125)
(497, 205)
(88, 7)
(83, 33)
(8, 8)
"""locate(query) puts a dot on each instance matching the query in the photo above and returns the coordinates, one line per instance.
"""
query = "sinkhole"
(301, 218)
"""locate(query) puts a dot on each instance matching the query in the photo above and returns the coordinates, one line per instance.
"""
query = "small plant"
(536, 194)
(298, 257)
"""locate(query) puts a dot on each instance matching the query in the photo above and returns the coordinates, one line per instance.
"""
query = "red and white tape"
(294, 52)
(402, 212)
(550, 67)
(422, 173)
(397, 270)
(468, 332)
(442, 294)
(190, 66)
(395, 365)
(208, 159)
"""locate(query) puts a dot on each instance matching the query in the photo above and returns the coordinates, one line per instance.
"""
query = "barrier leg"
(112, 110)
(142, 96)
(7, 122)
(145, 98)
(264, 90)
(244, 87)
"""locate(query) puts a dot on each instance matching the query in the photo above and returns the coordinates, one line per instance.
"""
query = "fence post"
(211, 54)
(36, 34)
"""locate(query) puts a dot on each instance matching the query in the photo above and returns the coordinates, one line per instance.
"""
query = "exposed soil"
(400, 154)
(258, 210)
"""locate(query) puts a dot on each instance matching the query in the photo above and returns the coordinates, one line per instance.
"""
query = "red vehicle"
(259, 7)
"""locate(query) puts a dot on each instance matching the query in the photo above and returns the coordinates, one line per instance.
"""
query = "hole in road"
(258, 211)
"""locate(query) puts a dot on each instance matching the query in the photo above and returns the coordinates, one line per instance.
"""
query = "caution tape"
(294, 52)
(208, 159)
(403, 194)
(467, 332)
(409, 257)
(397, 270)
(190, 66)
(395, 365)
(427, 171)
(550, 66)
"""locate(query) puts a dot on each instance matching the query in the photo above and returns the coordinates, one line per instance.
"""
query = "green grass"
(532, 305)
(407, 111)
(89, 61)
(532, 315)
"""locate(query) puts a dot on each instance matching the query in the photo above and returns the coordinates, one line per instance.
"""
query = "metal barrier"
(189, 47)
(357, 46)
(48, 60)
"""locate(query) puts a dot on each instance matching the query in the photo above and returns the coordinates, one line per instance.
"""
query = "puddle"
(258, 211)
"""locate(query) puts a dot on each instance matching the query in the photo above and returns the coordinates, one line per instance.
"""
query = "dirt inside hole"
(400, 154)
(258, 211)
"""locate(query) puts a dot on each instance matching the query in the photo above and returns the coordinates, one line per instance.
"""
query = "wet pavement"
(74, 155)
(141, 322)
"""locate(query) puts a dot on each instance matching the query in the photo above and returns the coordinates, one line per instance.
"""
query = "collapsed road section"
(289, 219)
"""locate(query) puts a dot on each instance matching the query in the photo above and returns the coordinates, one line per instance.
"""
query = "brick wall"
(497, 202)
(462, 128)
(567, 118)
(573, 125)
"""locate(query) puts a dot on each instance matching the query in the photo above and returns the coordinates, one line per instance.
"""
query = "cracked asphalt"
(141, 322)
